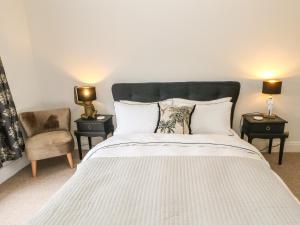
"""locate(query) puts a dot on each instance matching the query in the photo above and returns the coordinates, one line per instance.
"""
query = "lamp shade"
(87, 93)
(272, 87)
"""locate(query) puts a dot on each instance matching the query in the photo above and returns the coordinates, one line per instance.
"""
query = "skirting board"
(292, 146)
(12, 167)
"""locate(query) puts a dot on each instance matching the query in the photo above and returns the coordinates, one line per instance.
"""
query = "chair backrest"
(45, 121)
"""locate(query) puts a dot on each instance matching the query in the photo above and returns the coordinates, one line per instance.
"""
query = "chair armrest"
(44, 121)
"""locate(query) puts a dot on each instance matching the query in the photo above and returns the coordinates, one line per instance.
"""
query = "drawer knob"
(268, 128)
(89, 127)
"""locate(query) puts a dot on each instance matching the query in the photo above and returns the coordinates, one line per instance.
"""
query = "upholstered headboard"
(202, 91)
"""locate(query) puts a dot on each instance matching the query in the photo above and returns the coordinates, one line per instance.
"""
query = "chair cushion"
(49, 144)
(45, 121)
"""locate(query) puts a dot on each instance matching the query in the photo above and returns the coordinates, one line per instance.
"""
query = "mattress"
(147, 179)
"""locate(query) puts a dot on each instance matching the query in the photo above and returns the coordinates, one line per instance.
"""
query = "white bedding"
(145, 145)
(161, 179)
(174, 145)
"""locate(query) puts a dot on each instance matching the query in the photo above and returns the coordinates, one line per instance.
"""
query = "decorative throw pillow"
(174, 119)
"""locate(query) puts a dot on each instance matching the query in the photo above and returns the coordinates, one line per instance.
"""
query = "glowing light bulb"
(268, 74)
(86, 92)
(273, 81)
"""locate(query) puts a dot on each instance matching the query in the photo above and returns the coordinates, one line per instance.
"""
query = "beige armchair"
(47, 135)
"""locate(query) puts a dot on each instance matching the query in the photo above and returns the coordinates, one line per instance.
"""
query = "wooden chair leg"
(70, 159)
(33, 167)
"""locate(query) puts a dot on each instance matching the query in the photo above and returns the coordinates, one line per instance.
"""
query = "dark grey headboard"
(152, 92)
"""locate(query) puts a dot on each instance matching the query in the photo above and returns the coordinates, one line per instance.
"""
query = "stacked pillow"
(137, 117)
(209, 117)
(179, 116)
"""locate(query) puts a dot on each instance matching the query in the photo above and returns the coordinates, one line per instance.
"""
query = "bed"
(163, 179)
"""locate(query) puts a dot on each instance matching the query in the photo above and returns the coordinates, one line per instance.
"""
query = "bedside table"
(93, 128)
(265, 129)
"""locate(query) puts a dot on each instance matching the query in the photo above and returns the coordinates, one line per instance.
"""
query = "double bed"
(178, 179)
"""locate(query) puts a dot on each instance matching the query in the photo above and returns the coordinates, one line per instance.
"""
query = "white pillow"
(212, 119)
(136, 118)
(180, 101)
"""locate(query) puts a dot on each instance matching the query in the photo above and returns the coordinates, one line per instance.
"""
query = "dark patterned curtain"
(11, 139)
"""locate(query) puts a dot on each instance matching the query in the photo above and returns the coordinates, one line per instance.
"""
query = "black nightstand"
(265, 129)
(93, 128)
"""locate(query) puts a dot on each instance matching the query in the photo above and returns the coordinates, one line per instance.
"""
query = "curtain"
(11, 139)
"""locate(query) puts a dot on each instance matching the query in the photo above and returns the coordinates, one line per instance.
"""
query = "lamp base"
(273, 116)
(89, 111)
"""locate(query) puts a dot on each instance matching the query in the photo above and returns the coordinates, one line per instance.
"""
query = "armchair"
(47, 135)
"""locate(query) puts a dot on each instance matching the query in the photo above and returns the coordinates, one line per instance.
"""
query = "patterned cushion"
(174, 119)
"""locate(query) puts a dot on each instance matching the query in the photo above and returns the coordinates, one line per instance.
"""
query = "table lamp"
(85, 96)
(271, 87)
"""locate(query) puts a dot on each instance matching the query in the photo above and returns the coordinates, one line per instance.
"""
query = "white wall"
(103, 42)
(108, 41)
(16, 55)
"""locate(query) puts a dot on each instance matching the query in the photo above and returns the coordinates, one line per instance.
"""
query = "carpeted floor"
(289, 171)
(22, 196)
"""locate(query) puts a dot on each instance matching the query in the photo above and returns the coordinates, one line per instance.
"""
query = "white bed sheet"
(140, 145)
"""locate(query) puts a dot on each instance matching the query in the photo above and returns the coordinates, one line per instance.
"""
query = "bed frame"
(201, 91)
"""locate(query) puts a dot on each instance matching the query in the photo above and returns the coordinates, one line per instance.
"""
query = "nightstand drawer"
(94, 127)
(265, 128)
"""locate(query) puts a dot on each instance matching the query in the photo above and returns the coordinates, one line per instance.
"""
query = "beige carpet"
(289, 171)
(22, 196)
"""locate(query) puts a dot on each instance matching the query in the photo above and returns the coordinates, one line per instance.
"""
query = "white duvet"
(138, 145)
(143, 145)
(157, 179)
